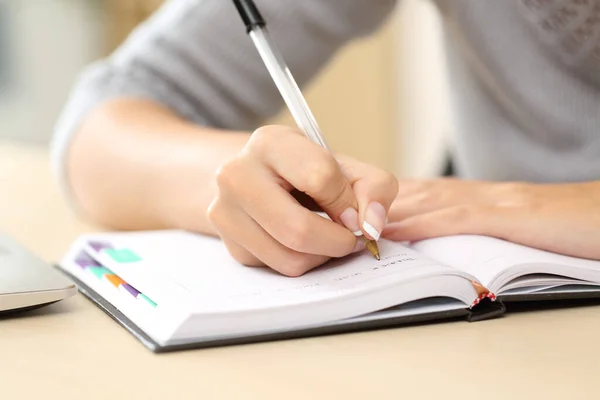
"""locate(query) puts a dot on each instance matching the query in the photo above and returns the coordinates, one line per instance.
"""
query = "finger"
(240, 254)
(221, 214)
(426, 202)
(280, 215)
(375, 191)
(412, 186)
(307, 167)
(249, 244)
(435, 195)
(476, 220)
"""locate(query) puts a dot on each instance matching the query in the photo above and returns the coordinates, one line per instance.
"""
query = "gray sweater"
(524, 75)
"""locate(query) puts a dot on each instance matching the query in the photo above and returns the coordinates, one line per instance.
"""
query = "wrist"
(191, 181)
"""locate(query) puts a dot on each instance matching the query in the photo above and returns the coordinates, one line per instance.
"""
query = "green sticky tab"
(122, 255)
(141, 295)
(99, 272)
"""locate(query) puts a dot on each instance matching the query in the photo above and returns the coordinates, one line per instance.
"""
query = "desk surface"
(72, 349)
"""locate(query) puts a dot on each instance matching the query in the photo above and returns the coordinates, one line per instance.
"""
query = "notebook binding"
(482, 293)
(478, 300)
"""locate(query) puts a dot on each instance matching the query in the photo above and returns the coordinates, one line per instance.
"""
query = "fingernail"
(374, 220)
(350, 220)
(359, 246)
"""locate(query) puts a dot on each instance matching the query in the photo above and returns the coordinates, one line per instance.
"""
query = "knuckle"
(228, 174)
(321, 172)
(214, 212)
(296, 235)
(265, 137)
(241, 255)
(294, 265)
(245, 258)
(262, 136)
(390, 182)
(387, 177)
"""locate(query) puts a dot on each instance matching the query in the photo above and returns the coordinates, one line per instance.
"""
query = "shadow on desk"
(71, 311)
(58, 307)
(61, 307)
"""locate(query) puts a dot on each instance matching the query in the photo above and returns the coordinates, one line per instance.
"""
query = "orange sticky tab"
(115, 280)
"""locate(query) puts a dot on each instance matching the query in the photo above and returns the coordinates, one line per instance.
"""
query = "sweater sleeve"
(194, 57)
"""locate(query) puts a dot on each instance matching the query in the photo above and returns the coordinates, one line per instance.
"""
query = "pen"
(256, 28)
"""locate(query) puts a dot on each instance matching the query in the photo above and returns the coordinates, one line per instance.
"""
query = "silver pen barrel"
(287, 85)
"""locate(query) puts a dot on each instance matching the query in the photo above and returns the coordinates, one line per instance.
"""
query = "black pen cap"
(249, 13)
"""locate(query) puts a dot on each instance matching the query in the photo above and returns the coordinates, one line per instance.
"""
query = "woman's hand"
(562, 218)
(262, 223)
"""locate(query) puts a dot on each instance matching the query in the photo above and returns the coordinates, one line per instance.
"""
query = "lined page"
(179, 266)
(487, 257)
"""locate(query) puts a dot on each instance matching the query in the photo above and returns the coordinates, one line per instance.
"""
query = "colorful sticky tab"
(99, 246)
(130, 289)
(115, 280)
(143, 296)
(99, 272)
(84, 261)
(122, 255)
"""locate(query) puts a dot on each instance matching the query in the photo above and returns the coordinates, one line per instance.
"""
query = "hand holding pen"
(257, 217)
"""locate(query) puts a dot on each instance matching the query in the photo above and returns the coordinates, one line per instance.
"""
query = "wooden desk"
(73, 350)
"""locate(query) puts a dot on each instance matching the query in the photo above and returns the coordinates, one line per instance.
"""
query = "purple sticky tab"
(84, 261)
(131, 289)
(99, 246)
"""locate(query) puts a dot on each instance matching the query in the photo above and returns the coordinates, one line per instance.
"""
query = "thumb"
(338, 200)
(326, 188)
(375, 193)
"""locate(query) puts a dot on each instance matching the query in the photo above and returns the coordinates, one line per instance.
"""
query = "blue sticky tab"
(144, 297)
(122, 255)
(99, 272)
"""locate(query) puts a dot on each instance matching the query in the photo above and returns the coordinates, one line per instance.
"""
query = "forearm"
(136, 165)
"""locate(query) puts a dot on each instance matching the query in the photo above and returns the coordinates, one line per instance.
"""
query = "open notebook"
(177, 290)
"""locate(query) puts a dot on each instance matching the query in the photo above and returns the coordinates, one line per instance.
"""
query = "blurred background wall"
(382, 99)
(43, 45)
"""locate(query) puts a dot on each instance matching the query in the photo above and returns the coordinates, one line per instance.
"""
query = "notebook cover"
(560, 293)
(350, 326)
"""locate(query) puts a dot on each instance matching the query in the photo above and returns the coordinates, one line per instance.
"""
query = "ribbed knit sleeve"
(194, 57)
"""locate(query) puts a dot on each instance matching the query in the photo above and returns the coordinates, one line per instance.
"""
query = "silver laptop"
(27, 282)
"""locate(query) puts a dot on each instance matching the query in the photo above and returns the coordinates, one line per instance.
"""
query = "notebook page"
(140, 309)
(208, 278)
(486, 257)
